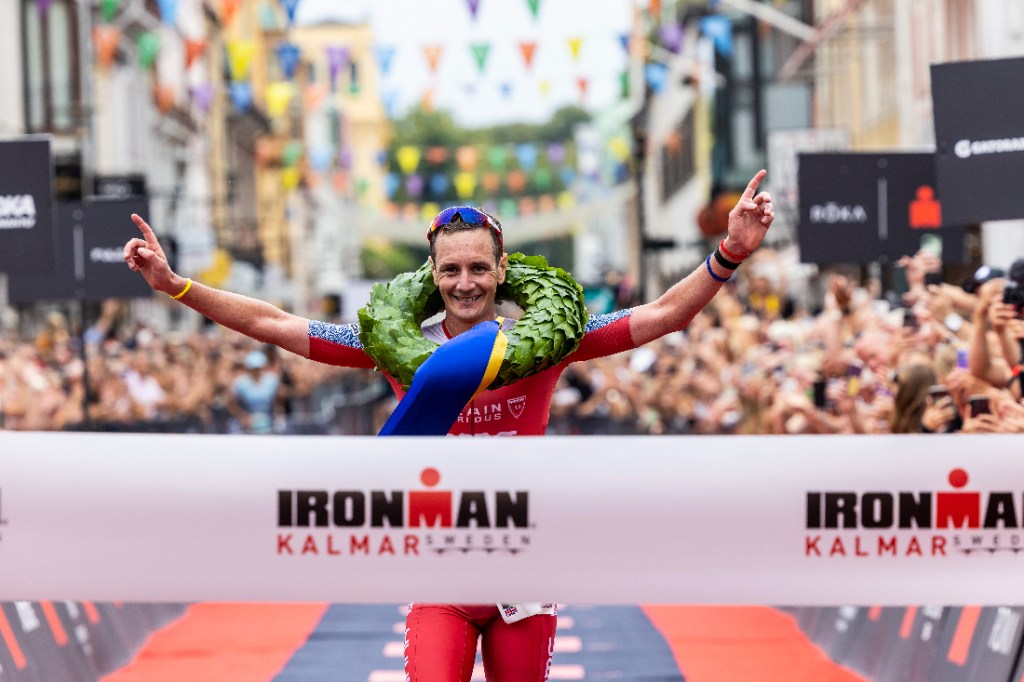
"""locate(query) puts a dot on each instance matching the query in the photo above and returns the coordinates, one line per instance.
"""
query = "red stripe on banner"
(908, 622)
(92, 614)
(53, 620)
(20, 662)
(727, 643)
(214, 642)
(874, 613)
(961, 644)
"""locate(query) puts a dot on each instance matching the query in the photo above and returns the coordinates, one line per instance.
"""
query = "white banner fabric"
(804, 520)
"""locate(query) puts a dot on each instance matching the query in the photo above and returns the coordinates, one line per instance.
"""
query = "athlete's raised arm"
(254, 318)
(749, 221)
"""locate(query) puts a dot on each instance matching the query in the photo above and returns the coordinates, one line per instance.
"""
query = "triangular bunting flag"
(193, 50)
(240, 56)
(582, 84)
(534, 7)
(408, 158)
(528, 49)
(168, 11)
(228, 11)
(480, 52)
(337, 59)
(384, 55)
(202, 96)
(106, 38)
(465, 184)
(289, 7)
(624, 41)
(433, 54)
(288, 59)
(474, 7)
(574, 48)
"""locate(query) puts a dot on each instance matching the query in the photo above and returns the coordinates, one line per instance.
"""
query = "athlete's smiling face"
(467, 275)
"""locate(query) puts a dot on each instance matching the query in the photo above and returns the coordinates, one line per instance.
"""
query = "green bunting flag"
(480, 52)
(534, 7)
(108, 9)
(149, 46)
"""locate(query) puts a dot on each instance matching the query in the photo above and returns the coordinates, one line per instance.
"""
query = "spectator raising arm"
(256, 319)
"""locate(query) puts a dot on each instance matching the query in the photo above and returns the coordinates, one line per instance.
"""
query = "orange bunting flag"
(491, 182)
(314, 96)
(433, 54)
(528, 49)
(465, 184)
(427, 101)
(193, 50)
(163, 95)
(467, 156)
(546, 203)
(106, 38)
(575, 45)
(437, 155)
(228, 10)
(527, 206)
(516, 181)
(582, 84)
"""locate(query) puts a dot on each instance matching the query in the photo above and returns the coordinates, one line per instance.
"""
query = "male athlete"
(468, 263)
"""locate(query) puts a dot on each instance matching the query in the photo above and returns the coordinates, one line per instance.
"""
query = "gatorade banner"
(866, 208)
(26, 206)
(730, 520)
(90, 255)
(979, 137)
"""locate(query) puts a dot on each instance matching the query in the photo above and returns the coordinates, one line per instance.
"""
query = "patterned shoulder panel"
(597, 321)
(341, 334)
(605, 335)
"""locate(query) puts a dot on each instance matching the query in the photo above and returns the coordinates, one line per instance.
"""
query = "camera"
(1013, 294)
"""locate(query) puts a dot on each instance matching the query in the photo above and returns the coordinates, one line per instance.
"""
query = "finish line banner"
(797, 520)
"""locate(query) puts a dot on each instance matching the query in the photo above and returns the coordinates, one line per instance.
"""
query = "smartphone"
(909, 319)
(1013, 295)
(978, 405)
(932, 278)
(819, 394)
(938, 391)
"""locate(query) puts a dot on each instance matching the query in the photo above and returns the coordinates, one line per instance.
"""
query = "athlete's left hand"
(750, 218)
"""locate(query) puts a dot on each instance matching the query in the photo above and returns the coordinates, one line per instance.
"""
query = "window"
(51, 66)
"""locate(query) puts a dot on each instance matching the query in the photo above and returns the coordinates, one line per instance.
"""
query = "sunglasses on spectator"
(468, 215)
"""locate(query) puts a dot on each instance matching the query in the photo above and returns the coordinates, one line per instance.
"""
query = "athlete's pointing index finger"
(147, 231)
(755, 182)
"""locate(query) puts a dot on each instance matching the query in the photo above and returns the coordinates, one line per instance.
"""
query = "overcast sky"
(477, 99)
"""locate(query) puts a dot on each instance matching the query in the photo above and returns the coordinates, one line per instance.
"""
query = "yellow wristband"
(188, 285)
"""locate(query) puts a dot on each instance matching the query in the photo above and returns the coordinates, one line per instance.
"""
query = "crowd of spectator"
(940, 358)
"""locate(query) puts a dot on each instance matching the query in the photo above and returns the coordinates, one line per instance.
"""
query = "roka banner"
(817, 520)
(90, 255)
(26, 206)
(867, 207)
(979, 138)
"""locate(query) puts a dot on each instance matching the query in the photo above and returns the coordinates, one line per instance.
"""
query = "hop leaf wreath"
(554, 317)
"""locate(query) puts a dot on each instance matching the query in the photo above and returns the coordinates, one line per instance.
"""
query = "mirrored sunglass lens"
(443, 218)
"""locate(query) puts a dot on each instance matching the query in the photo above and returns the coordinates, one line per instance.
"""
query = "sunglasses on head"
(468, 215)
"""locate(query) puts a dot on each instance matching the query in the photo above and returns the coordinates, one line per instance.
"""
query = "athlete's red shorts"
(440, 644)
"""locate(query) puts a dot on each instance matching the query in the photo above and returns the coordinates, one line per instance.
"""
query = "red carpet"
(252, 643)
(724, 644)
(223, 643)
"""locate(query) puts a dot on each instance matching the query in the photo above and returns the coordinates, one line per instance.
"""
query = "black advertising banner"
(90, 265)
(26, 206)
(865, 208)
(979, 138)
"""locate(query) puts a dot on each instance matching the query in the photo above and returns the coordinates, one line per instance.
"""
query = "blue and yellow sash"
(454, 374)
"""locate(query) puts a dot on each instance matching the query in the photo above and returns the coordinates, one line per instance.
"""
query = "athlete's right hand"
(147, 257)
